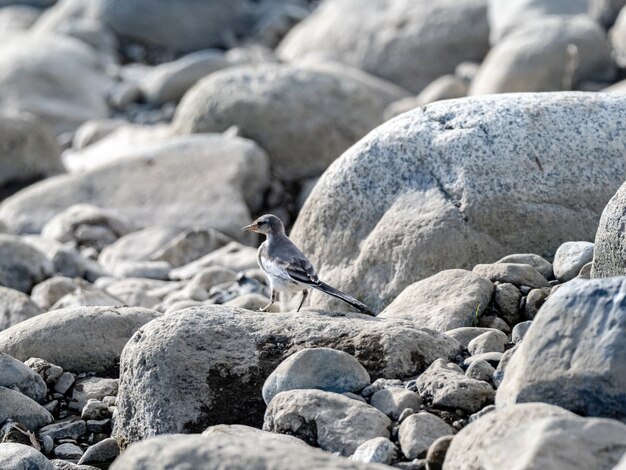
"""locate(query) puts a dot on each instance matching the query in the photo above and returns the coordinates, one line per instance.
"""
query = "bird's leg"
(305, 292)
(272, 300)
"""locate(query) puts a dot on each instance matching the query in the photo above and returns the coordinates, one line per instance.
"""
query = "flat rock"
(271, 103)
(451, 299)
(317, 368)
(230, 352)
(173, 183)
(79, 339)
(574, 353)
(331, 421)
(429, 191)
(513, 273)
(436, 36)
(21, 409)
(233, 452)
(538, 262)
(15, 374)
(21, 457)
(466, 334)
(570, 258)
(15, 307)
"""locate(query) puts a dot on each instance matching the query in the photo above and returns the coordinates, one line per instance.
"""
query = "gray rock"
(31, 151)
(16, 18)
(569, 259)
(22, 410)
(451, 299)
(252, 302)
(494, 322)
(480, 370)
(21, 265)
(505, 16)
(501, 366)
(567, 443)
(48, 292)
(377, 450)
(534, 300)
(333, 422)
(488, 342)
(84, 296)
(550, 54)
(617, 36)
(469, 446)
(95, 410)
(22, 457)
(133, 292)
(437, 36)
(174, 183)
(466, 334)
(170, 81)
(492, 358)
(87, 225)
(63, 87)
(440, 195)
(227, 353)
(539, 263)
(585, 271)
(573, 353)
(15, 307)
(507, 299)
(68, 451)
(65, 259)
(520, 330)
(69, 429)
(517, 274)
(92, 388)
(605, 11)
(446, 87)
(66, 465)
(449, 388)
(49, 372)
(419, 431)
(234, 256)
(394, 401)
(64, 383)
(143, 269)
(270, 103)
(317, 368)
(103, 452)
(15, 374)
(437, 452)
(79, 339)
(233, 452)
(239, 431)
(610, 250)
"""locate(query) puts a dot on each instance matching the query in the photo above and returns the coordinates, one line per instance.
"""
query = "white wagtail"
(286, 267)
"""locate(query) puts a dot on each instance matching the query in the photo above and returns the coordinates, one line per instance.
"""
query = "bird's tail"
(322, 286)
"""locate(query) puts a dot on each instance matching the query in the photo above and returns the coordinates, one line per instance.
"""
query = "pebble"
(68, 451)
(64, 382)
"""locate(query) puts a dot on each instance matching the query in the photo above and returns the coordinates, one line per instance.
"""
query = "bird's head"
(265, 224)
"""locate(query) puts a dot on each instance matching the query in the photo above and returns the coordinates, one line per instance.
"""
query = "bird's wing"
(295, 264)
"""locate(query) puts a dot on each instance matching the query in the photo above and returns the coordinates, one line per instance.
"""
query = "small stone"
(64, 383)
(534, 300)
(539, 263)
(569, 259)
(492, 358)
(94, 410)
(585, 271)
(497, 323)
(110, 400)
(101, 453)
(92, 387)
(498, 375)
(488, 342)
(101, 426)
(354, 396)
(393, 401)
(437, 452)
(52, 406)
(480, 370)
(47, 443)
(520, 331)
(49, 372)
(380, 384)
(507, 298)
(419, 431)
(405, 414)
(64, 429)
(68, 452)
(514, 273)
(377, 450)
(483, 412)
(415, 464)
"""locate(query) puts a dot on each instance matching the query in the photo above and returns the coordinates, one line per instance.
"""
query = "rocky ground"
(486, 232)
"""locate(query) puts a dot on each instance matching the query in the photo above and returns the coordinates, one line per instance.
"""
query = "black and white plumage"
(287, 268)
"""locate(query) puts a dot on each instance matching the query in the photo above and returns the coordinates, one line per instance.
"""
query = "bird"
(287, 268)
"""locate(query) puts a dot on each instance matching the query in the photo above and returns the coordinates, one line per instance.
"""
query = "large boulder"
(414, 197)
(617, 36)
(469, 446)
(202, 180)
(328, 420)
(216, 452)
(79, 339)
(21, 265)
(574, 353)
(22, 457)
(506, 15)
(563, 443)
(29, 151)
(408, 42)
(206, 365)
(555, 53)
(15, 307)
(54, 77)
(609, 254)
(304, 118)
(450, 299)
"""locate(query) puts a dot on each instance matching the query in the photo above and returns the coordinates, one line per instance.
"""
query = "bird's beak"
(250, 228)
